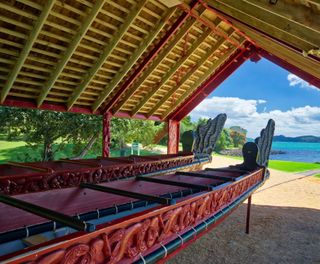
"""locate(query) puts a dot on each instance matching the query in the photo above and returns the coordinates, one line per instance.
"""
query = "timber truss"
(145, 59)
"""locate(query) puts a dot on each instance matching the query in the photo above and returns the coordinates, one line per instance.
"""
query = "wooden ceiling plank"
(174, 69)
(26, 49)
(106, 53)
(69, 52)
(19, 11)
(269, 22)
(213, 67)
(185, 78)
(276, 48)
(133, 59)
(162, 56)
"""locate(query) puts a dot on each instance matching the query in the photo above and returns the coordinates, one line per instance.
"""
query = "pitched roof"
(143, 58)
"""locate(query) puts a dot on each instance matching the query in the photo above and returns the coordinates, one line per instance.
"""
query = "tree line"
(50, 132)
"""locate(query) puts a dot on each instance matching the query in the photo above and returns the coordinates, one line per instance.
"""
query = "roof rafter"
(106, 53)
(70, 50)
(133, 59)
(173, 70)
(232, 63)
(188, 75)
(214, 66)
(291, 55)
(148, 59)
(183, 31)
(273, 21)
(26, 49)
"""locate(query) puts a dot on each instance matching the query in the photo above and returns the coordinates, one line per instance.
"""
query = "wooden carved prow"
(256, 154)
(207, 135)
(264, 143)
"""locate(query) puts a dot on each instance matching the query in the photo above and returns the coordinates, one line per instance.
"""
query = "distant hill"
(309, 139)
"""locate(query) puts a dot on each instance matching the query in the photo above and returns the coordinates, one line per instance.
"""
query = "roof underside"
(143, 58)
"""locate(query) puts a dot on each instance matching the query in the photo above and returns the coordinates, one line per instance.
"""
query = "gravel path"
(285, 226)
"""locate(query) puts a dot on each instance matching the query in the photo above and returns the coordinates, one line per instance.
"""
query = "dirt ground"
(285, 225)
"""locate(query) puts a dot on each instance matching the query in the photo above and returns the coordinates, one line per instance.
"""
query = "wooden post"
(106, 135)
(248, 215)
(173, 136)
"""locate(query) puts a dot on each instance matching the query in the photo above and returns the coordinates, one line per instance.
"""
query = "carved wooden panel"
(207, 135)
(264, 143)
(124, 241)
(106, 137)
(173, 136)
(26, 184)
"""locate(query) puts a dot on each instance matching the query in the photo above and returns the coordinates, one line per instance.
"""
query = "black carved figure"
(187, 141)
(207, 135)
(264, 143)
(256, 154)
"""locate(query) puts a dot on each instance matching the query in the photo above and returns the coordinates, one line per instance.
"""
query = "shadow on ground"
(277, 235)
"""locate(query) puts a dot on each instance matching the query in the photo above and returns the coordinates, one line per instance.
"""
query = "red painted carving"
(25, 184)
(123, 242)
(106, 137)
(173, 136)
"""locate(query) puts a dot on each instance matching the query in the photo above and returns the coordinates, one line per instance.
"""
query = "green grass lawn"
(317, 176)
(18, 151)
(289, 166)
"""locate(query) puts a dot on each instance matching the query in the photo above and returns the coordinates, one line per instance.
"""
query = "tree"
(224, 140)
(128, 130)
(55, 130)
(238, 138)
(47, 128)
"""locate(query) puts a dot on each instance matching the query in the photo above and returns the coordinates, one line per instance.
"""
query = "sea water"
(297, 151)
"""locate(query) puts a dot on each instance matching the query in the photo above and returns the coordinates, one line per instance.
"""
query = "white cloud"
(294, 80)
(295, 122)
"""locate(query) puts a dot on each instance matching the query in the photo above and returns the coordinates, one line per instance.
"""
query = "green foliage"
(238, 139)
(239, 129)
(48, 128)
(186, 124)
(129, 130)
(224, 141)
(47, 134)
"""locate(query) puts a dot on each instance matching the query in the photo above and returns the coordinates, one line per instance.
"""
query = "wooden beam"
(209, 72)
(173, 70)
(133, 59)
(70, 50)
(225, 68)
(271, 21)
(313, 80)
(106, 53)
(26, 49)
(173, 137)
(155, 63)
(188, 75)
(279, 49)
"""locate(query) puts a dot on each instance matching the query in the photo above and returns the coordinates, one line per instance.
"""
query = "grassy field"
(289, 166)
(317, 176)
(18, 151)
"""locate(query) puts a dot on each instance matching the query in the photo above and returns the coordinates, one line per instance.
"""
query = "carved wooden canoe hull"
(154, 232)
(19, 178)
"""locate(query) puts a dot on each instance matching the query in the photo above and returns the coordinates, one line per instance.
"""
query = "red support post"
(173, 136)
(106, 127)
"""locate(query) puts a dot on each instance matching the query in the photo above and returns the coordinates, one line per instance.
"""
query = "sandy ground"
(285, 225)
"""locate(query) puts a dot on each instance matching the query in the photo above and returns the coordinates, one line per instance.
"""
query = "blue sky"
(263, 90)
